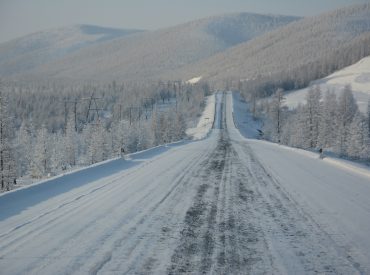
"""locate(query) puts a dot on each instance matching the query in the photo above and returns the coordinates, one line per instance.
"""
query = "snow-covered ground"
(357, 75)
(221, 205)
(205, 121)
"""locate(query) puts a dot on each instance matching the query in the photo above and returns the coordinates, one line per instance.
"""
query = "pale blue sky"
(20, 17)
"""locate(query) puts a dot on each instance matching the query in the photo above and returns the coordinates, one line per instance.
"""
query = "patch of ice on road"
(205, 121)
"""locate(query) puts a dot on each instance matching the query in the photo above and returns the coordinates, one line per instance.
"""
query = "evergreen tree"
(41, 155)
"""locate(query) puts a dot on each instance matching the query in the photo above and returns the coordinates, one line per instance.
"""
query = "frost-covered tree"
(118, 135)
(358, 138)
(41, 160)
(23, 148)
(275, 114)
(158, 127)
(312, 113)
(328, 121)
(7, 161)
(70, 143)
(347, 108)
(294, 131)
(58, 153)
(97, 143)
(145, 137)
(180, 126)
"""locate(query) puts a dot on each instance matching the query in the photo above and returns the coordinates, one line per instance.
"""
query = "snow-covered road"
(222, 205)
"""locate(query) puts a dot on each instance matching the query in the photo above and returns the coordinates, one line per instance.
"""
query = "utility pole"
(93, 106)
(93, 99)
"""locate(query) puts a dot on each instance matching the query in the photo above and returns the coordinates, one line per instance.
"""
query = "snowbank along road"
(206, 207)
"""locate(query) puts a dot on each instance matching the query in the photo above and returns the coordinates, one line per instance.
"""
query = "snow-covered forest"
(293, 55)
(325, 121)
(50, 128)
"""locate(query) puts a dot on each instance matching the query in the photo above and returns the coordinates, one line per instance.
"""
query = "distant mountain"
(26, 53)
(152, 54)
(292, 55)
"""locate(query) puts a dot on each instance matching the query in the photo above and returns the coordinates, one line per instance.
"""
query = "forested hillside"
(292, 56)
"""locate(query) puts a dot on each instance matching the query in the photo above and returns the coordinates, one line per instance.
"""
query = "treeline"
(52, 128)
(322, 64)
(325, 121)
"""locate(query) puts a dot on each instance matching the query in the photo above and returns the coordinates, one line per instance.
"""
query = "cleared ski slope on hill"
(221, 205)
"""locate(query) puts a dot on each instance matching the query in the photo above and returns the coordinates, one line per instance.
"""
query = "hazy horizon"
(21, 17)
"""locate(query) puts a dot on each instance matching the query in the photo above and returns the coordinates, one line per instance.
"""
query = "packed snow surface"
(221, 205)
(356, 75)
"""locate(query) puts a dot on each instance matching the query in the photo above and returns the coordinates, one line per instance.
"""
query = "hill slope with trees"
(28, 52)
(293, 55)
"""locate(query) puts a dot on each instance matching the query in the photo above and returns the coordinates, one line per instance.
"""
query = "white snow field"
(356, 75)
(221, 205)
